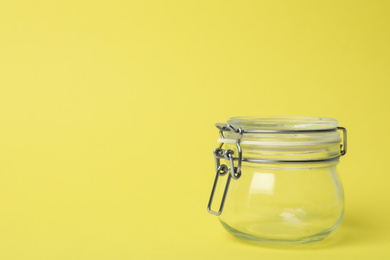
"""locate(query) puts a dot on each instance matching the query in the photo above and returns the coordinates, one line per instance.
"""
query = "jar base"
(304, 241)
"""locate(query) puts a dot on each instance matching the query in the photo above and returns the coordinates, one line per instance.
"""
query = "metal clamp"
(343, 146)
(222, 169)
(235, 172)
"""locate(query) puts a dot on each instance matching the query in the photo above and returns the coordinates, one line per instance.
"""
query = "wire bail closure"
(235, 171)
(222, 169)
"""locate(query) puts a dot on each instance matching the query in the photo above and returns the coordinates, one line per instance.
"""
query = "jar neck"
(286, 147)
(293, 166)
(281, 139)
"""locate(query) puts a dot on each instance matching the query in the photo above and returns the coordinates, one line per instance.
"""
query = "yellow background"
(107, 112)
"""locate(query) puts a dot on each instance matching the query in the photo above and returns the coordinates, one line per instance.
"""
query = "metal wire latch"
(223, 169)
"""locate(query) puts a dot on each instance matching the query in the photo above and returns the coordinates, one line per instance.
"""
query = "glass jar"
(281, 186)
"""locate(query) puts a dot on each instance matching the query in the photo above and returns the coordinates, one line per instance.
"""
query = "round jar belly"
(282, 187)
(289, 205)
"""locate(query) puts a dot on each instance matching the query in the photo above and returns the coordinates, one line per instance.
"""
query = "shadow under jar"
(276, 179)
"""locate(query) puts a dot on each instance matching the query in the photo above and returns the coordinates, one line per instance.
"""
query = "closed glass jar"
(276, 179)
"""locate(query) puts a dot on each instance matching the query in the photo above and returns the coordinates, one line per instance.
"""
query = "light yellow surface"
(107, 112)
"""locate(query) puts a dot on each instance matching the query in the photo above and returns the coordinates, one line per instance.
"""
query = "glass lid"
(283, 123)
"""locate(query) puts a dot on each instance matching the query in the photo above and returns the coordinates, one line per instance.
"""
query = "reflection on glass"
(292, 215)
(263, 183)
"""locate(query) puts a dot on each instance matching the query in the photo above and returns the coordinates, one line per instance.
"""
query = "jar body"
(283, 187)
(284, 204)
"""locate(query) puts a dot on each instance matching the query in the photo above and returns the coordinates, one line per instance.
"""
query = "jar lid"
(284, 138)
(284, 123)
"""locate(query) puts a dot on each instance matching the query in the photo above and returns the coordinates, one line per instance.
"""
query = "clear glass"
(284, 204)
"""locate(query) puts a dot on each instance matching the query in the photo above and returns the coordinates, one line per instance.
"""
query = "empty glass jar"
(276, 180)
